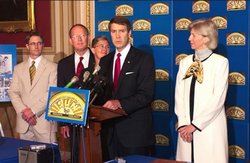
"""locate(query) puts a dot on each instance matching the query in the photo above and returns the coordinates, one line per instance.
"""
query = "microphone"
(98, 88)
(98, 84)
(85, 76)
(89, 83)
(72, 81)
(98, 68)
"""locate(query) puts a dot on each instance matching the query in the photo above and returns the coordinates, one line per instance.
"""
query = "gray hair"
(207, 28)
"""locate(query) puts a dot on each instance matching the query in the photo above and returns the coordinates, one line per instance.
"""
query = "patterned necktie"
(196, 69)
(79, 67)
(32, 70)
(117, 70)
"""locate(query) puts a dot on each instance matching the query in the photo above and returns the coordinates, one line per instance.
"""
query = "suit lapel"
(26, 74)
(126, 66)
(91, 61)
(71, 66)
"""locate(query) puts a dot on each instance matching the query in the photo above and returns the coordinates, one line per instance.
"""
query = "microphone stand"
(94, 97)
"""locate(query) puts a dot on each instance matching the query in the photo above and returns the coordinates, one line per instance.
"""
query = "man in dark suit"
(133, 92)
(68, 68)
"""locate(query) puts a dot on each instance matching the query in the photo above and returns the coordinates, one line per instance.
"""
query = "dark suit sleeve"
(60, 77)
(65, 70)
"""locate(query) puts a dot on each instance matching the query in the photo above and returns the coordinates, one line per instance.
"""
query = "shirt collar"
(85, 60)
(37, 60)
(124, 52)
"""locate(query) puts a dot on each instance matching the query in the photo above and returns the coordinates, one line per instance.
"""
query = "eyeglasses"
(103, 46)
(36, 43)
(82, 36)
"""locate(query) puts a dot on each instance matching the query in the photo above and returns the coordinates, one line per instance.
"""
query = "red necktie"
(117, 70)
(79, 67)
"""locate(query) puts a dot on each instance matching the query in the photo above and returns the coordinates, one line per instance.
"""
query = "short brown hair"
(120, 20)
(27, 39)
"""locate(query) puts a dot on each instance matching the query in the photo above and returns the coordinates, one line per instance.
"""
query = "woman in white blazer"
(201, 88)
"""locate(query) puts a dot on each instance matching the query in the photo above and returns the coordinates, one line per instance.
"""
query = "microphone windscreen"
(96, 69)
(86, 76)
(74, 79)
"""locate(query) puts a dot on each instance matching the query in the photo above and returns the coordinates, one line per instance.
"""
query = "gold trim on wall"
(20, 26)
(88, 18)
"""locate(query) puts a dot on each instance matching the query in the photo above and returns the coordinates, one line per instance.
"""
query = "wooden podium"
(92, 139)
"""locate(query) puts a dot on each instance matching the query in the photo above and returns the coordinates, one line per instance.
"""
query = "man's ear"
(130, 33)
(27, 46)
(70, 41)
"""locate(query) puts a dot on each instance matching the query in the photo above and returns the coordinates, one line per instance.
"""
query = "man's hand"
(32, 121)
(65, 131)
(29, 116)
(112, 104)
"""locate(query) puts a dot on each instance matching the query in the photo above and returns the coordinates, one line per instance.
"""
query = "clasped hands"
(29, 116)
(186, 133)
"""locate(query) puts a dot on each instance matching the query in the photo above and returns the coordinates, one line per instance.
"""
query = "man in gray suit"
(29, 90)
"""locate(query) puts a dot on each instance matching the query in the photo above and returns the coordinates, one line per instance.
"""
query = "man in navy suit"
(133, 92)
(67, 69)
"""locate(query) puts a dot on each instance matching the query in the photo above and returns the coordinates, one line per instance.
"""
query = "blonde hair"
(207, 28)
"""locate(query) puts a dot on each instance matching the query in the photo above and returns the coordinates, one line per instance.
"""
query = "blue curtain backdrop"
(165, 59)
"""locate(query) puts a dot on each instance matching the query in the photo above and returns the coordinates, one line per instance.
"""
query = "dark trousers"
(117, 149)
(74, 141)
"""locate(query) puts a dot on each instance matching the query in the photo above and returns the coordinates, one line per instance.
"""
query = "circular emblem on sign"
(179, 57)
(159, 40)
(235, 112)
(103, 26)
(236, 78)
(67, 105)
(220, 22)
(182, 24)
(124, 10)
(236, 5)
(160, 105)
(236, 151)
(159, 9)
(161, 74)
(200, 7)
(236, 39)
(161, 140)
(142, 25)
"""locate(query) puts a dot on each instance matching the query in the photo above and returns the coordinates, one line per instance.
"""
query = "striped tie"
(32, 71)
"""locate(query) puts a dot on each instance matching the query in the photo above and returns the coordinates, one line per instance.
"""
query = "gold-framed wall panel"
(59, 17)
(63, 15)
(21, 26)
(87, 15)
